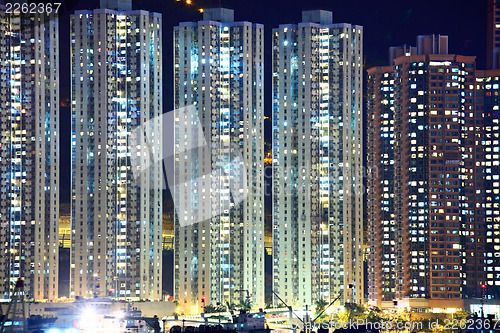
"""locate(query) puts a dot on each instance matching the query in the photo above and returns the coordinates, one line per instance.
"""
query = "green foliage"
(319, 307)
(356, 311)
(245, 304)
(461, 315)
(215, 308)
(375, 316)
(231, 306)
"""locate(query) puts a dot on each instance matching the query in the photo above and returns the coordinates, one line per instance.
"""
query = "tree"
(355, 310)
(319, 307)
(461, 315)
(375, 316)
(210, 309)
(221, 308)
(231, 306)
(215, 308)
(246, 304)
(359, 311)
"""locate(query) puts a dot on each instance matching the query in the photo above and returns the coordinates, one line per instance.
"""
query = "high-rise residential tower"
(116, 78)
(317, 161)
(218, 191)
(493, 34)
(381, 224)
(29, 154)
(427, 241)
(488, 84)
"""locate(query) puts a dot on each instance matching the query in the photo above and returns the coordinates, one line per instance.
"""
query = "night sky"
(386, 23)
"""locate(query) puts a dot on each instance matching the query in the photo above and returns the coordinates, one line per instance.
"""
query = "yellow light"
(201, 10)
(330, 310)
(188, 2)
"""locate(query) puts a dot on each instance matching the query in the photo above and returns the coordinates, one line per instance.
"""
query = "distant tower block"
(400, 51)
(317, 16)
(218, 14)
(29, 153)
(117, 4)
(317, 165)
(116, 217)
(218, 68)
(432, 44)
(492, 31)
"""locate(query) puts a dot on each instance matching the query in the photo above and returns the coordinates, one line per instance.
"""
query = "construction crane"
(17, 321)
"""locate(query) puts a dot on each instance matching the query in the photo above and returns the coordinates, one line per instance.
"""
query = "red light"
(203, 299)
(483, 286)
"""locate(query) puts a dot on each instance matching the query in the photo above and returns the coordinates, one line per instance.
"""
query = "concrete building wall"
(29, 154)
(218, 191)
(380, 181)
(445, 126)
(116, 217)
(488, 84)
(317, 162)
